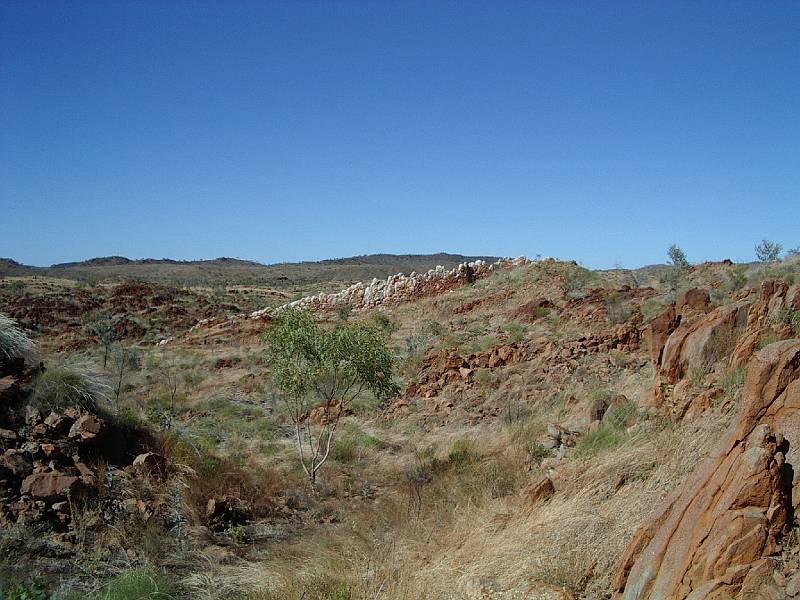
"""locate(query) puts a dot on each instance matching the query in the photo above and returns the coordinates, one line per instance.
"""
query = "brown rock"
(709, 538)
(53, 486)
(657, 331)
(17, 462)
(693, 301)
(86, 428)
(701, 341)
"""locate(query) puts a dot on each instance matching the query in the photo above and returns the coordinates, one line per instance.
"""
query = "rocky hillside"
(229, 271)
(557, 433)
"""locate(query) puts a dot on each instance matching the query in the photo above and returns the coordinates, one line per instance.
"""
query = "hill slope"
(231, 270)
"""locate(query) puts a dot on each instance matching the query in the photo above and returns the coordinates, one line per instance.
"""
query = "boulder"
(693, 301)
(86, 428)
(710, 538)
(701, 341)
(17, 462)
(775, 296)
(53, 486)
(656, 333)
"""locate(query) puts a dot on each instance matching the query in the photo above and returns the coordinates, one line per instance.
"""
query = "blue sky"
(600, 131)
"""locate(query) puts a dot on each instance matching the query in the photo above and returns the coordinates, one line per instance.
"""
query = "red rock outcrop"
(764, 317)
(712, 537)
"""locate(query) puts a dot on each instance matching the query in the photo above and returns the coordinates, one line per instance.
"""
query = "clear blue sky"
(280, 131)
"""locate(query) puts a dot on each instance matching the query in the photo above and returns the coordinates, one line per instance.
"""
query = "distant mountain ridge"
(310, 275)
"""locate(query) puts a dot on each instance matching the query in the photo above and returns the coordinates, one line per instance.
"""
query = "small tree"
(312, 365)
(102, 327)
(677, 257)
(679, 265)
(123, 362)
(767, 251)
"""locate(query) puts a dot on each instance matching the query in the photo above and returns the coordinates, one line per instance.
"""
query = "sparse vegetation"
(70, 383)
(767, 251)
(14, 343)
(311, 364)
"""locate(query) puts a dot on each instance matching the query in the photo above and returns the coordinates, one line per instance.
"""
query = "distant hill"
(322, 274)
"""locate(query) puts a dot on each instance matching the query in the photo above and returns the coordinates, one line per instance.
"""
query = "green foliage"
(516, 331)
(767, 251)
(24, 591)
(314, 587)
(698, 374)
(353, 443)
(101, 326)
(616, 310)
(768, 338)
(484, 343)
(14, 343)
(71, 383)
(384, 323)
(576, 280)
(610, 433)
(462, 455)
(124, 360)
(140, 583)
(309, 362)
(652, 307)
(17, 287)
(677, 257)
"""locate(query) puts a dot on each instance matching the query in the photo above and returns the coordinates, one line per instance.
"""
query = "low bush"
(71, 383)
(14, 343)
(462, 455)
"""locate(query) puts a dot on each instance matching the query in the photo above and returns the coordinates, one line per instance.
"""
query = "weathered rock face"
(711, 537)
(764, 317)
(702, 340)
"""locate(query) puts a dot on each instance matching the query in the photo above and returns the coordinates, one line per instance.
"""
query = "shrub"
(767, 339)
(677, 257)
(603, 438)
(610, 433)
(767, 251)
(737, 278)
(652, 307)
(70, 383)
(462, 455)
(516, 331)
(13, 341)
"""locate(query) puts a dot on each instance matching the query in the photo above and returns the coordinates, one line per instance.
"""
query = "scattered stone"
(17, 462)
(52, 487)
(86, 428)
